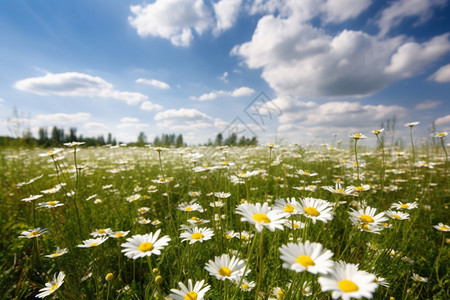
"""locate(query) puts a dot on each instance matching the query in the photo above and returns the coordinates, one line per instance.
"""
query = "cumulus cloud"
(95, 126)
(150, 106)
(443, 120)
(442, 75)
(2, 100)
(153, 82)
(174, 20)
(184, 120)
(187, 114)
(399, 10)
(239, 92)
(428, 104)
(226, 12)
(129, 120)
(73, 84)
(336, 11)
(136, 126)
(297, 58)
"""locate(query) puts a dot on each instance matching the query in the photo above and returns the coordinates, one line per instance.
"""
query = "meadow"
(259, 222)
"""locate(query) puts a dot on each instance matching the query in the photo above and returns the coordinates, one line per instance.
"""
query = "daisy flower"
(290, 206)
(49, 204)
(32, 233)
(440, 134)
(245, 235)
(316, 209)
(294, 224)
(93, 242)
(416, 277)
(194, 194)
(144, 221)
(196, 235)
(117, 234)
(400, 205)
(442, 227)
(197, 221)
(133, 198)
(222, 195)
(217, 204)
(51, 152)
(377, 131)
(348, 191)
(231, 234)
(346, 282)
(31, 198)
(306, 173)
(247, 286)
(261, 216)
(310, 188)
(145, 245)
(143, 210)
(397, 215)
(309, 257)
(358, 136)
(225, 268)
(100, 232)
(360, 188)
(366, 220)
(411, 124)
(58, 252)
(52, 286)
(192, 206)
(190, 292)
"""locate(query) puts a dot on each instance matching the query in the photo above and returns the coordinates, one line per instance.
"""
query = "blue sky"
(198, 67)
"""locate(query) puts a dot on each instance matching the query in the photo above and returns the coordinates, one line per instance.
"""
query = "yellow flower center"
(144, 247)
(261, 218)
(54, 287)
(55, 254)
(245, 286)
(289, 208)
(404, 206)
(228, 236)
(441, 134)
(340, 191)
(296, 225)
(347, 286)
(224, 271)
(197, 236)
(366, 219)
(34, 233)
(357, 135)
(94, 244)
(51, 203)
(225, 163)
(360, 188)
(396, 216)
(312, 211)
(305, 261)
(191, 296)
(444, 227)
(188, 208)
(418, 278)
(101, 231)
(119, 234)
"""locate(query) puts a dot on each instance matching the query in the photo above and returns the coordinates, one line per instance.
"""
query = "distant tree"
(179, 142)
(231, 140)
(142, 139)
(72, 134)
(109, 139)
(219, 140)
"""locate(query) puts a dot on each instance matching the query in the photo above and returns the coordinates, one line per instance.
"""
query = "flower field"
(263, 222)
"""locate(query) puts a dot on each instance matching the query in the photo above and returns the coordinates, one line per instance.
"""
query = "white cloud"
(443, 120)
(185, 114)
(2, 100)
(95, 126)
(153, 82)
(299, 59)
(224, 77)
(147, 105)
(428, 104)
(129, 120)
(226, 12)
(442, 75)
(399, 10)
(73, 84)
(238, 92)
(341, 10)
(62, 118)
(174, 20)
(136, 126)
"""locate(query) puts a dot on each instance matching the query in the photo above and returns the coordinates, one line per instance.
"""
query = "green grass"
(113, 174)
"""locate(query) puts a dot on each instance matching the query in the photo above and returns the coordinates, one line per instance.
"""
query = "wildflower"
(316, 209)
(382, 281)
(57, 253)
(196, 235)
(156, 222)
(74, 144)
(339, 190)
(191, 206)
(225, 268)
(194, 194)
(109, 277)
(366, 220)
(143, 210)
(442, 227)
(245, 235)
(306, 173)
(310, 188)
(247, 286)
(222, 195)
(217, 203)
(261, 216)
(117, 234)
(190, 292)
(145, 245)
(361, 188)
(309, 257)
(272, 145)
(290, 206)
(346, 281)
(398, 215)
(440, 134)
(93, 242)
(231, 234)
(33, 233)
(378, 131)
(31, 198)
(133, 198)
(411, 124)
(294, 224)
(52, 286)
(49, 204)
(53, 189)
(358, 136)
(197, 221)
(416, 277)
(400, 205)
(51, 152)
(100, 232)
